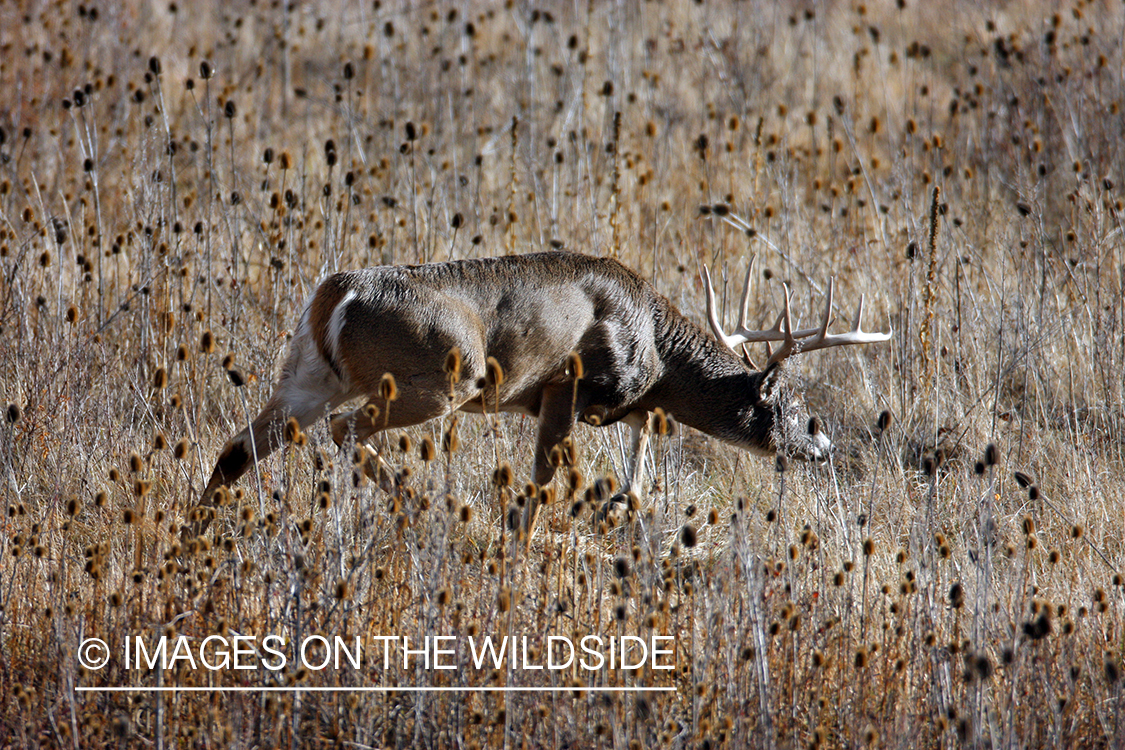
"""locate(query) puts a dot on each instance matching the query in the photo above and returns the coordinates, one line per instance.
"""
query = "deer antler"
(782, 329)
(742, 334)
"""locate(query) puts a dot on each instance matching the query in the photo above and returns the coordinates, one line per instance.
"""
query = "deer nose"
(819, 447)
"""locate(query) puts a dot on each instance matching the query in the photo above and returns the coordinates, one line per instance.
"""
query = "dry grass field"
(175, 177)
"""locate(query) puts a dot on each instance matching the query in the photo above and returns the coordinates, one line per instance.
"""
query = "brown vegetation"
(174, 180)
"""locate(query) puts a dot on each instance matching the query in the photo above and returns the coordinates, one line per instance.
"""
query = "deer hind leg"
(307, 388)
(420, 399)
(360, 424)
(357, 426)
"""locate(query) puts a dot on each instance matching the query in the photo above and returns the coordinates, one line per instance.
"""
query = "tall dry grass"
(175, 179)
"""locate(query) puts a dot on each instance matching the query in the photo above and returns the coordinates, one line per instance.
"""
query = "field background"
(159, 228)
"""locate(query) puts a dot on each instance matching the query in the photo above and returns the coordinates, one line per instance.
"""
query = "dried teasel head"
(493, 373)
(388, 391)
(574, 369)
(292, 431)
(452, 366)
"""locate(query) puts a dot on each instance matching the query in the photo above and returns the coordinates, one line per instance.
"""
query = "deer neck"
(705, 386)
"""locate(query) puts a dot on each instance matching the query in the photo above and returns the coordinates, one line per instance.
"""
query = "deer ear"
(768, 385)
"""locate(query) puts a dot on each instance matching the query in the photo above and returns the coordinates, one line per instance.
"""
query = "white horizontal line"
(267, 689)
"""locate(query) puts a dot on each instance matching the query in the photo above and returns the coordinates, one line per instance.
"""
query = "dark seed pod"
(884, 420)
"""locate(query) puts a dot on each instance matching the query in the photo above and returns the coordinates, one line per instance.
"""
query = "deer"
(559, 336)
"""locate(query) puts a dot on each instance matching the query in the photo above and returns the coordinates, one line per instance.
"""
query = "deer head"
(795, 433)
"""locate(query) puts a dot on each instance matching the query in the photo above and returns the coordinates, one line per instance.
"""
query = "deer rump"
(529, 313)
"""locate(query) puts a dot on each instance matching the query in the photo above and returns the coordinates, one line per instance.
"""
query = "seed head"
(453, 364)
(574, 369)
(494, 373)
(388, 391)
(502, 476)
(1038, 628)
(292, 430)
(450, 442)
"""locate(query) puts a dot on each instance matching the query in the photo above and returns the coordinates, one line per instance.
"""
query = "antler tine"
(745, 301)
(858, 314)
(827, 311)
(788, 315)
(713, 313)
(785, 321)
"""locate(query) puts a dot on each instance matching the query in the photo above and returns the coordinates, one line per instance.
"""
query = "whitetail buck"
(530, 312)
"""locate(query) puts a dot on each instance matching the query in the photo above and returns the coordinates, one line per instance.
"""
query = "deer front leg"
(640, 430)
(254, 443)
(556, 420)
